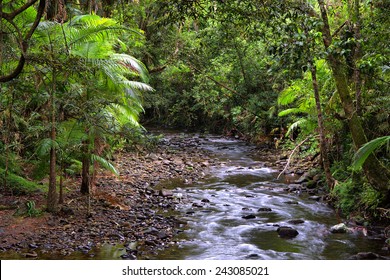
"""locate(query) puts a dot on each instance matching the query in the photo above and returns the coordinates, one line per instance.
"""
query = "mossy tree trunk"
(375, 172)
(321, 128)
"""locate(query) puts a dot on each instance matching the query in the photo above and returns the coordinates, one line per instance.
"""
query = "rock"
(128, 257)
(252, 257)
(367, 256)
(287, 232)
(197, 205)
(205, 200)
(264, 209)
(31, 255)
(304, 178)
(340, 228)
(250, 216)
(296, 222)
(291, 202)
(165, 193)
(162, 235)
(315, 197)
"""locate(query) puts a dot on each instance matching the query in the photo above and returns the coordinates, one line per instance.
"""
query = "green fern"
(104, 163)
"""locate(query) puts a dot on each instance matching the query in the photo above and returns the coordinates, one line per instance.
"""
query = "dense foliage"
(73, 84)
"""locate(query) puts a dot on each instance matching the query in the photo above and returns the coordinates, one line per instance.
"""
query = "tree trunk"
(52, 193)
(323, 145)
(85, 173)
(376, 174)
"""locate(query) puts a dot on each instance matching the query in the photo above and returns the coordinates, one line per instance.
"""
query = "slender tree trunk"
(52, 194)
(85, 172)
(320, 119)
(61, 197)
(376, 174)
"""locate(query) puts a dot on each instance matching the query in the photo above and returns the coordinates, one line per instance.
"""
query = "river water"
(241, 186)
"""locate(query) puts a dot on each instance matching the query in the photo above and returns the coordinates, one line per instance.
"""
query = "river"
(224, 221)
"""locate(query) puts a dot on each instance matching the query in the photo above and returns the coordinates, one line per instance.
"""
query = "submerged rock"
(296, 222)
(250, 216)
(287, 232)
(264, 209)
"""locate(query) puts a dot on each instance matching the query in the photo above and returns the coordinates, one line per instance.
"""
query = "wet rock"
(304, 178)
(315, 197)
(368, 256)
(250, 216)
(166, 193)
(340, 228)
(128, 257)
(287, 232)
(31, 255)
(296, 222)
(264, 209)
(197, 205)
(291, 202)
(33, 246)
(253, 257)
(205, 200)
(293, 187)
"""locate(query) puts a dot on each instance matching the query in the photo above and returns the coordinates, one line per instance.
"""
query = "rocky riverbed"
(134, 211)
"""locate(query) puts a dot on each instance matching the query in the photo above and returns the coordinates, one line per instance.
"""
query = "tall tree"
(378, 176)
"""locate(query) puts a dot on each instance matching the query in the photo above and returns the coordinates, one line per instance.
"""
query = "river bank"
(134, 210)
(135, 216)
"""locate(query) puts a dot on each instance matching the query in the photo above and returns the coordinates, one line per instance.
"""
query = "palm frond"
(295, 125)
(290, 111)
(45, 146)
(364, 152)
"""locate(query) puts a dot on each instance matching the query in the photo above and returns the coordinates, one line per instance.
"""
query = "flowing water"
(243, 184)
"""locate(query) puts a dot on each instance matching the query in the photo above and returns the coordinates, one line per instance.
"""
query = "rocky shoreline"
(134, 211)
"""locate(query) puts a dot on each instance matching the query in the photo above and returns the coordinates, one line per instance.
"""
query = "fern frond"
(45, 146)
(104, 163)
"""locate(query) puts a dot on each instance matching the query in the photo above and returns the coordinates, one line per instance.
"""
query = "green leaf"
(104, 163)
(363, 153)
(44, 147)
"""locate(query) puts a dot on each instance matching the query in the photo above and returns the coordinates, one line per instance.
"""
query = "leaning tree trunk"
(376, 174)
(320, 119)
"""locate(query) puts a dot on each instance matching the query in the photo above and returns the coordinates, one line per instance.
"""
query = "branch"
(291, 155)
(215, 81)
(341, 27)
(24, 43)
(12, 15)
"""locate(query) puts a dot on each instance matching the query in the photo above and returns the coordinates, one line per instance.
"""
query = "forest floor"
(135, 209)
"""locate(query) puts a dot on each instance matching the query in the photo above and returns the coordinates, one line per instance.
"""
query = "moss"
(20, 185)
